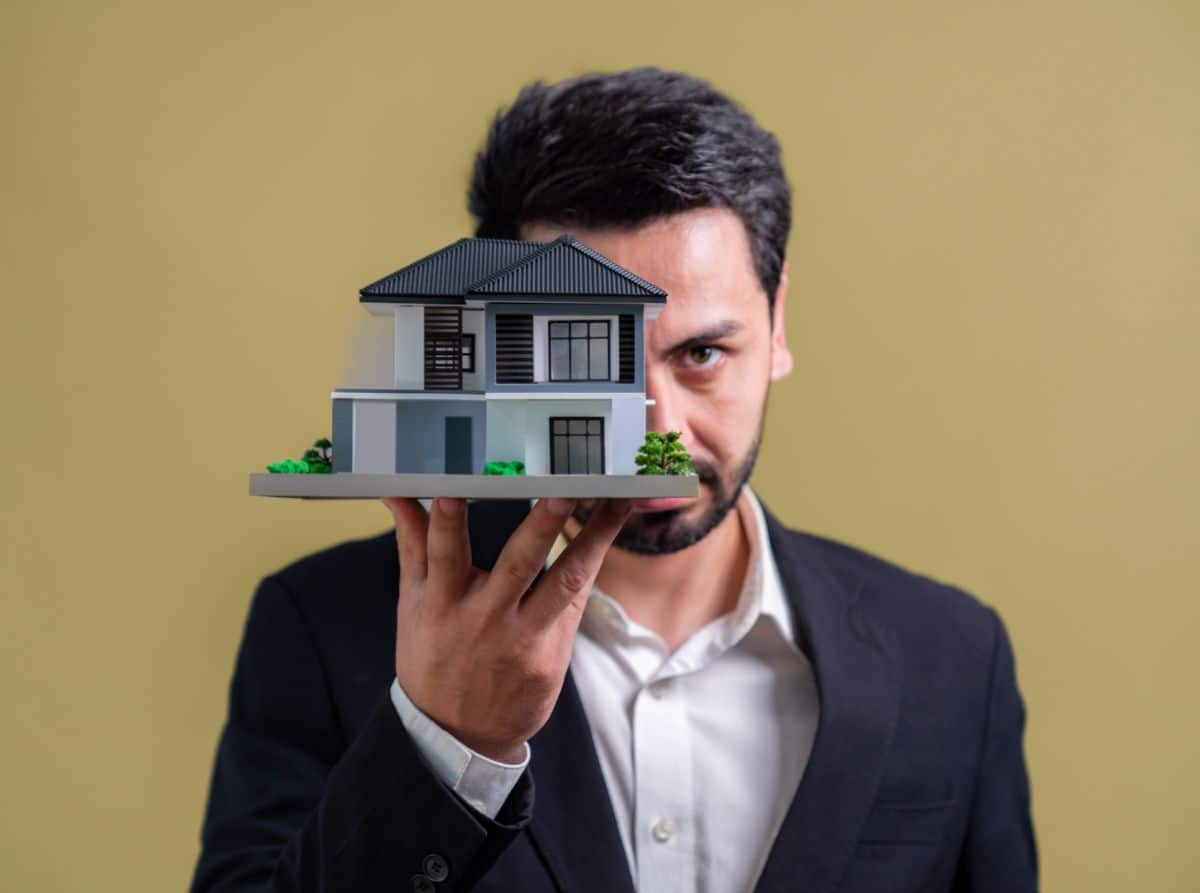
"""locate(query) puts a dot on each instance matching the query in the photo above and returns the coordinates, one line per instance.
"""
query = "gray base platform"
(472, 486)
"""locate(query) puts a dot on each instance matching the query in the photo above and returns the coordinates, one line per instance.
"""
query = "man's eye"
(702, 357)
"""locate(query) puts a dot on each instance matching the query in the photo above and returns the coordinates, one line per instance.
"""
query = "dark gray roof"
(513, 270)
(568, 268)
(449, 272)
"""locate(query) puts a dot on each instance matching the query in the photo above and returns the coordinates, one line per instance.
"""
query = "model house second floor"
(505, 316)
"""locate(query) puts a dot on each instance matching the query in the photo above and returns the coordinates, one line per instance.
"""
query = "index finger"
(570, 580)
(524, 555)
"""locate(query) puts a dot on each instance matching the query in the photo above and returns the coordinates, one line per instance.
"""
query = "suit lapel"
(573, 826)
(857, 671)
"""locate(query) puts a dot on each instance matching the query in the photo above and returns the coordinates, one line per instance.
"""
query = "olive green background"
(994, 314)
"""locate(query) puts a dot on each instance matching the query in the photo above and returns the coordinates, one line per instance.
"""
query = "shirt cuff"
(483, 782)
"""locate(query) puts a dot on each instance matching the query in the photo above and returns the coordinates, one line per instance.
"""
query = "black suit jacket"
(916, 779)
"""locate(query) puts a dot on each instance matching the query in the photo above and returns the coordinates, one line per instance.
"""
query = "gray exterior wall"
(343, 434)
(421, 434)
(568, 309)
(472, 323)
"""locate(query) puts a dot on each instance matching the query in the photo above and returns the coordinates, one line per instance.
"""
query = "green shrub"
(317, 460)
(504, 468)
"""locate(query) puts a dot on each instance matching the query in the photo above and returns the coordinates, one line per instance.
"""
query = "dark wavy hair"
(621, 149)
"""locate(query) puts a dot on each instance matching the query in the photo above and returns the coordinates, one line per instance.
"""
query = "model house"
(504, 351)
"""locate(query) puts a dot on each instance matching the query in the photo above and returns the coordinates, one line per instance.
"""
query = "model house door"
(458, 445)
(576, 445)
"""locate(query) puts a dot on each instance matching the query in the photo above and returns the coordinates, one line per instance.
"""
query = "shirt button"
(659, 687)
(422, 884)
(663, 830)
(436, 867)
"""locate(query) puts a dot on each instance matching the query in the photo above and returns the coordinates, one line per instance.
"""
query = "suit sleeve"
(293, 806)
(999, 852)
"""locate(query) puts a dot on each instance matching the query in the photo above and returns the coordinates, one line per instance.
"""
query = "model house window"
(468, 353)
(579, 350)
(576, 445)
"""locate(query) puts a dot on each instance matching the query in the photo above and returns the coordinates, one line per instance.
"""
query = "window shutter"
(625, 351)
(514, 349)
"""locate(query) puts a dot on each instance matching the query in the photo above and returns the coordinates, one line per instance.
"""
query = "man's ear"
(781, 355)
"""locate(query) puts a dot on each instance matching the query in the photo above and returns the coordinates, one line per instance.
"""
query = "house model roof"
(507, 269)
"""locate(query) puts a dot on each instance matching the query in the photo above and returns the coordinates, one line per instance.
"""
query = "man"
(654, 696)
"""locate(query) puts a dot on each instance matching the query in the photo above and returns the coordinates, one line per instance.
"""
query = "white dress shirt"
(701, 749)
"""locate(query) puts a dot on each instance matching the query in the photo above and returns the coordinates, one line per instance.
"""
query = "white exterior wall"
(505, 440)
(520, 429)
(541, 343)
(472, 324)
(540, 346)
(627, 434)
(410, 348)
(374, 437)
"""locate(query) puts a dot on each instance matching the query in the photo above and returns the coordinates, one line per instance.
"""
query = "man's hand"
(482, 654)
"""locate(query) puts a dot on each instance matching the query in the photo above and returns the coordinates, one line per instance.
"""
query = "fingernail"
(451, 508)
(560, 508)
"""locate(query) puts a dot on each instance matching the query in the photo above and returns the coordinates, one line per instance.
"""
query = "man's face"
(710, 357)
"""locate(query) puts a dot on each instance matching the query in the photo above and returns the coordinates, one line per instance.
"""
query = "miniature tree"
(663, 454)
(320, 457)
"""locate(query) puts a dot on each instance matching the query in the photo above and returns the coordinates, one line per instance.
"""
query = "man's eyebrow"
(723, 329)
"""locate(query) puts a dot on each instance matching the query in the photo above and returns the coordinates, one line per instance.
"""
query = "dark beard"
(661, 533)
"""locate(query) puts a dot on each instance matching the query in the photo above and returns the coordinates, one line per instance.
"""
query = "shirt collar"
(774, 601)
(762, 596)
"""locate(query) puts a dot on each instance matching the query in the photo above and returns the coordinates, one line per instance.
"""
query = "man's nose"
(663, 414)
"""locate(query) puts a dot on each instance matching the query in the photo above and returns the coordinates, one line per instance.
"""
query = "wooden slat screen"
(443, 349)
